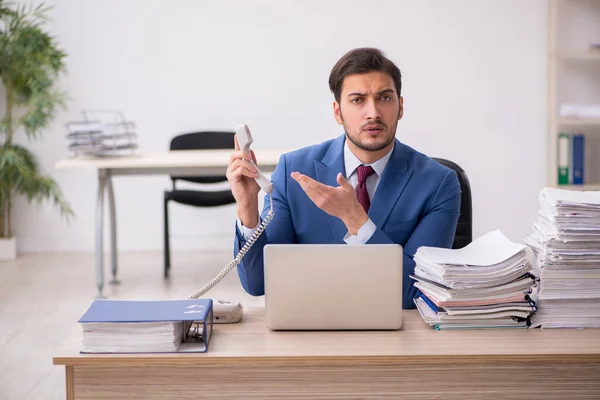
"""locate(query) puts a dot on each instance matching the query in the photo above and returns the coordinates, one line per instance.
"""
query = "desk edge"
(183, 359)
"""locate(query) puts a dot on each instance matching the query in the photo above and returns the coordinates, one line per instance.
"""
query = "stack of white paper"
(574, 110)
(566, 241)
(487, 284)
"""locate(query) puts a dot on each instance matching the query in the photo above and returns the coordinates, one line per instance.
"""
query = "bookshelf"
(568, 122)
(574, 78)
(581, 55)
(581, 187)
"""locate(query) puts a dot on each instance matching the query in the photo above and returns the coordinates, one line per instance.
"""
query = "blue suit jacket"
(416, 203)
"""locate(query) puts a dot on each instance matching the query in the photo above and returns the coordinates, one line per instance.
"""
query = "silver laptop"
(333, 287)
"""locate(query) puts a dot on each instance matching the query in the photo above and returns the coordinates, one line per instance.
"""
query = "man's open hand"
(338, 201)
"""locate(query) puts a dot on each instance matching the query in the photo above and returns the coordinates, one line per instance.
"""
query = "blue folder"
(578, 159)
(196, 315)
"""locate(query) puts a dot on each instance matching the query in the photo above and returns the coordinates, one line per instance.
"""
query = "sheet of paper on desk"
(491, 248)
(570, 197)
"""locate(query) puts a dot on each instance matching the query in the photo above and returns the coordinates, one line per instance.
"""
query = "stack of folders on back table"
(487, 284)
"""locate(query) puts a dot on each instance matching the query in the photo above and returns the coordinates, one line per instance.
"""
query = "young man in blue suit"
(362, 187)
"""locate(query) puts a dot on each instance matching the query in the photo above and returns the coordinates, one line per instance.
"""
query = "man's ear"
(337, 112)
(401, 111)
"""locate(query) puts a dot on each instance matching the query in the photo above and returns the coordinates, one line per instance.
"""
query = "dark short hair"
(361, 61)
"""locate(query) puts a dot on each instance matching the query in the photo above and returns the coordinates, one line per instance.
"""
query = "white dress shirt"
(351, 164)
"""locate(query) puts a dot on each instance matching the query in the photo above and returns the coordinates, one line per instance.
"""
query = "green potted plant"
(30, 64)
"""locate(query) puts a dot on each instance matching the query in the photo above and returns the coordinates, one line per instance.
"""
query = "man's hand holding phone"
(241, 175)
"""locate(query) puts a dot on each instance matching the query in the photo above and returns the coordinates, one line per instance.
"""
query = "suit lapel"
(326, 172)
(393, 181)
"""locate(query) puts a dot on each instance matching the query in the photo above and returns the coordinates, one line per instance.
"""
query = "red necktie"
(361, 189)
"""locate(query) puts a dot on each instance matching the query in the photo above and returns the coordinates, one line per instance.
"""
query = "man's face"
(369, 109)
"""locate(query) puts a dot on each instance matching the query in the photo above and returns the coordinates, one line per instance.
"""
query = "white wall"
(474, 83)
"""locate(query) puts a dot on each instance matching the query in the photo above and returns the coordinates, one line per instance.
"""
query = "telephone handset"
(245, 140)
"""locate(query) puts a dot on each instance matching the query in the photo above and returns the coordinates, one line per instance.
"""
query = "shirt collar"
(351, 163)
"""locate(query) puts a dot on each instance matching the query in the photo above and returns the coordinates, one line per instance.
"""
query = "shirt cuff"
(364, 234)
(247, 232)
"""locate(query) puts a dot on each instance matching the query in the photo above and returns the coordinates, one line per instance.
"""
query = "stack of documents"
(587, 111)
(101, 137)
(487, 284)
(566, 242)
(123, 326)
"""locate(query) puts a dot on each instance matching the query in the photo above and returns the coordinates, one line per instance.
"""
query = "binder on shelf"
(142, 326)
(578, 158)
(563, 158)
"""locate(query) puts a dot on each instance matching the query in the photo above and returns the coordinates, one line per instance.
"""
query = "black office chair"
(197, 198)
(464, 228)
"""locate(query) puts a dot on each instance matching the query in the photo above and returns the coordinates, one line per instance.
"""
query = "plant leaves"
(30, 63)
(20, 172)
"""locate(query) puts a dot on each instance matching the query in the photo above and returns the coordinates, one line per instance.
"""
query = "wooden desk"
(180, 163)
(248, 361)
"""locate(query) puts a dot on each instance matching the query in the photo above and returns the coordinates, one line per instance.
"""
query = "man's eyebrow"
(384, 91)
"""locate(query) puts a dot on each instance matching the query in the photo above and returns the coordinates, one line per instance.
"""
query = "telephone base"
(226, 312)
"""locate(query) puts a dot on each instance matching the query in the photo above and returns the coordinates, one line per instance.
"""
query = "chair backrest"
(464, 228)
(204, 140)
